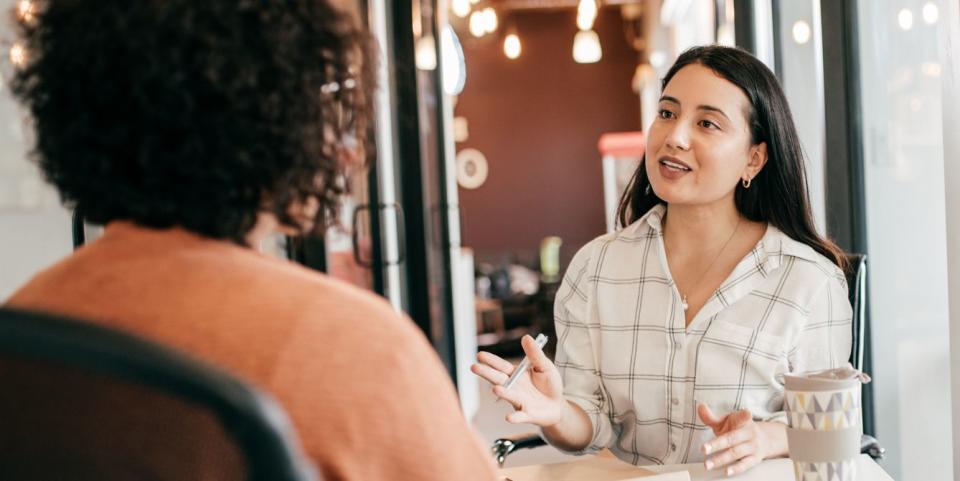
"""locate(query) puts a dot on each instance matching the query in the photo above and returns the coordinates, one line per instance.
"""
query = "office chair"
(84, 402)
(860, 352)
(859, 358)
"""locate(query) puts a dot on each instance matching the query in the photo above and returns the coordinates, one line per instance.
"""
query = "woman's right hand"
(537, 396)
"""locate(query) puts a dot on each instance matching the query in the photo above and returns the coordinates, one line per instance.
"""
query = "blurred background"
(507, 130)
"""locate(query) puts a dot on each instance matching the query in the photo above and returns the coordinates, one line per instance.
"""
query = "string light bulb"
(930, 13)
(586, 47)
(905, 19)
(586, 14)
(489, 20)
(18, 55)
(801, 32)
(25, 10)
(461, 8)
(477, 28)
(511, 46)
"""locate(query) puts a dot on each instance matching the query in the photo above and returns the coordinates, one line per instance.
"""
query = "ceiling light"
(586, 47)
(930, 69)
(18, 54)
(905, 19)
(586, 14)
(461, 8)
(511, 46)
(476, 24)
(801, 32)
(489, 20)
(657, 58)
(930, 13)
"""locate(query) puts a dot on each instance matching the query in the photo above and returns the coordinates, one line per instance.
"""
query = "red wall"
(537, 120)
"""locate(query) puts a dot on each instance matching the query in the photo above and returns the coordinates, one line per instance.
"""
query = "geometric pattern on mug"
(830, 421)
(829, 471)
(818, 402)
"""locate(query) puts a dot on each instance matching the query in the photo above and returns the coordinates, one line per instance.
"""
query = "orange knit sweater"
(368, 396)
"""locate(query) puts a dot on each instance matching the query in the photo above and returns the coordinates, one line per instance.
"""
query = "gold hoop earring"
(746, 183)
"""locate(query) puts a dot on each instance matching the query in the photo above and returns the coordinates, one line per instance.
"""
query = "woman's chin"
(668, 194)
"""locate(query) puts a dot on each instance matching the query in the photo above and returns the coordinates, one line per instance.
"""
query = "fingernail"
(707, 449)
(708, 465)
(729, 471)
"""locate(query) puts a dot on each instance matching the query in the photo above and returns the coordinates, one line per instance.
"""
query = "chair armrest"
(870, 445)
(504, 446)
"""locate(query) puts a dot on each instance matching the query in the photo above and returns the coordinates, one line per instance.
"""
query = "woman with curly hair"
(192, 130)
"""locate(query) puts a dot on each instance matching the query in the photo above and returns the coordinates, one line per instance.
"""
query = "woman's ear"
(758, 159)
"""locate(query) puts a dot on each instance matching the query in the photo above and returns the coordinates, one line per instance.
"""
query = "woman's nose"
(678, 137)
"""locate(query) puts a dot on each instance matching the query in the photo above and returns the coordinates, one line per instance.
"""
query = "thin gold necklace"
(714, 261)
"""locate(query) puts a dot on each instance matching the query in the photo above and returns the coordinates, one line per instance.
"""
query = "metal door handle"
(401, 235)
(355, 236)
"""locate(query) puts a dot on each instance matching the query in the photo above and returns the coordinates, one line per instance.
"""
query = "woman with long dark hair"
(673, 331)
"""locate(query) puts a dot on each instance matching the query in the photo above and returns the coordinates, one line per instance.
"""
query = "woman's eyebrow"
(709, 108)
(667, 98)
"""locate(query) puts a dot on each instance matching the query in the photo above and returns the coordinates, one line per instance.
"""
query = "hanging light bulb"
(461, 8)
(930, 13)
(905, 19)
(801, 32)
(586, 14)
(476, 24)
(658, 58)
(586, 47)
(25, 10)
(489, 20)
(511, 46)
(18, 54)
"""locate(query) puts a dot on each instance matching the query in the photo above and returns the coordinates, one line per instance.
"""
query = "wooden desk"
(590, 468)
(603, 469)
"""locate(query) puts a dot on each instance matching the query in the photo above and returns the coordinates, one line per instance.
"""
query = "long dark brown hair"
(778, 194)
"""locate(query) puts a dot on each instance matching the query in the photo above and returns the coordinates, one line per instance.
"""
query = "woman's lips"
(673, 169)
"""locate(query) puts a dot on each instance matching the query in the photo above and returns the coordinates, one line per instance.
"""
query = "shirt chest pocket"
(733, 357)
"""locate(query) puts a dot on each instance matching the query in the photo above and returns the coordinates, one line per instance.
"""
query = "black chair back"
(83, 402)
(856, 290)
(860, 354)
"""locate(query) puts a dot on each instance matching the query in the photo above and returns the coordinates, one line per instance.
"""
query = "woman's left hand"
(741, 442)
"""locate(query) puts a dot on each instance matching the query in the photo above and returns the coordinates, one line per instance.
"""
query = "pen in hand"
(541, 341)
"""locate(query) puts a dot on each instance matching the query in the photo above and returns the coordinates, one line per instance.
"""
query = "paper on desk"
(589, 469)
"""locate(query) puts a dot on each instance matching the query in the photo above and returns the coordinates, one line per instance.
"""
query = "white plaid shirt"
(630, 362)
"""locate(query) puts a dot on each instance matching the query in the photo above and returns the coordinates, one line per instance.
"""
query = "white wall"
(29, 241)
(950, 59)
(802, 80)
(905, 158)
(34, 229)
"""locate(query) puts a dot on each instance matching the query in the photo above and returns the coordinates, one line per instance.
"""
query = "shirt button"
(673, 447)
(674, 401)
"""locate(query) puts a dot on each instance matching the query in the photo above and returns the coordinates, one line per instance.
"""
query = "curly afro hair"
(196, 113)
